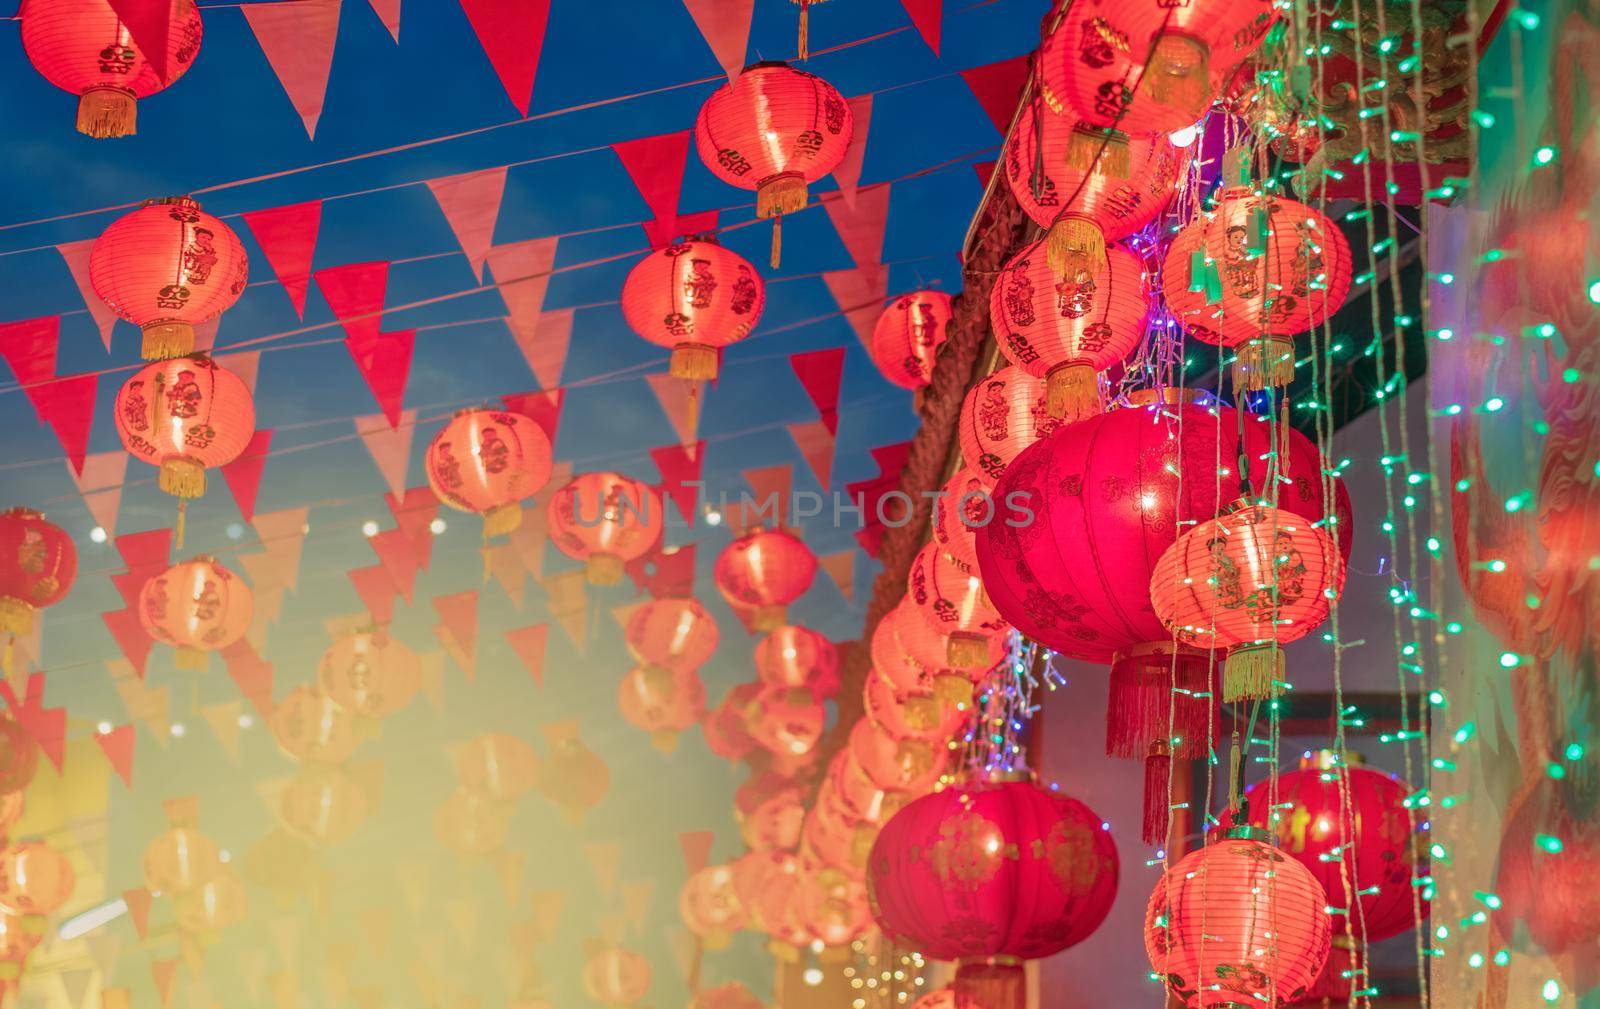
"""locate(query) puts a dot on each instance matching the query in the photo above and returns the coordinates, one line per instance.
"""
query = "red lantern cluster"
(952, 601)
(908, 335)
(795, 656)
(38, 565)
(1001, 415)
(488, 461)
(198, 607)
(187, 865)
(605, 520)
(672, 638)
(695, 297)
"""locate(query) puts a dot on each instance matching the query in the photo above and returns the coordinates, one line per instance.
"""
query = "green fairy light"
(1475, 960)
(1483, 119)
(1502, 957)
(1527, 19)
(1555, 770)
(1436, 698)
(1494, 404)
(1544, 155)
(1449, 278)
(1574, 751)
(1510, 660)
(1548, 842)
(1594, 291)
(1488, 900)
(1551, 990)
(1571, 375)
(1454, 627)
(1465, 732)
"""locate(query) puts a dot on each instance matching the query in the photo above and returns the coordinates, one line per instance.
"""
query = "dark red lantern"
(38, 565)
(908, 335)
(952, 602)
(765, 571)
(198, 607)
(662, 702)
(1000, 416)
(695, 297)
(673, 633)
(773, 129)
(487, 461)
(85, 49)
(605, 520)
(795, 656)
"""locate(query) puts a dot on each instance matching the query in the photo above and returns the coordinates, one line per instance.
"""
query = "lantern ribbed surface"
(168, 267)
(908, 714)
(676, 633)
(1143, 66)
(787, 721)
(311, 728)
(83, 48)
(1001, 415)
(370, 673)
(616, 977)
(197, 606)
(916, 656)
(897, 765)
(487, 461)
(765, 571)
(952, 601)
(710, 906)
(992, 869)
(963, 506)
(1067, 329)
(663, 702)
(38, 565)
(831, 907)
(795, 656)
(908, 335)
(185, 415)
(605, 519)
(693, 297)
(1237, 923)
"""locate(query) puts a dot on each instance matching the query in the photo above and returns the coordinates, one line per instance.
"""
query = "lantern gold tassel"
(1075, 245)
(1072, 392)
(107, 112)
(604, 569)
(967, 651)
(664, 740)
(953, 691)
(1264, 362)
(1103, 152)
(992, 983)
(163, 340)
(691, 412)
(1251, 672)
(192, 659)
(502, 520)
(694, 361)
(1178, 74)
(182, 523)
(182, 477)
(767, 619)
(779, 195)
(16, 617)
(802, 48)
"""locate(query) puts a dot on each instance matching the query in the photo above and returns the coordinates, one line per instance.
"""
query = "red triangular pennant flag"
(998, 87)
(459, 612)
(543, 340)
(543, 408)
(678, 401)
(522, 274)
(891, 459)
(245, 364)
(163, 971)
(665, 572)
(384, 361)
(816, 444)
(130, 636)
(680, 465)
(726, 27)
(76, 256)
(471, 205)
(398, 553)
(512, 35)
(47, 726)
(861, 224)
(29, 347)
(100, 483)
(138, 902)
(925, 16)
(149, 25)
(819, 372)
(390, 446)
(288, 238)
(985, 170)
(841, 568)
(860, 293)
(655, 164)
(252, 675)
(67, 405)
(772, 484)
(297, 37)
(847, 173)
(388, 12)
(243, 475)
(414, 512)
(355, 293)
(118, 747)
(696, 849)
(377, 591)
(529, 644)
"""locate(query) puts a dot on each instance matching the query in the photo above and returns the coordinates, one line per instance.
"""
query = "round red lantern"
(832, 907)
(179, 860)
(487, 461)
(787, 720)
(774, 822)
(1067, 329)
(914, 655)
(829, 839)
(19, 756)
(725, 726)
(34, 879)
(908, 335)
(695, 297)
(897, 765)
(1249, 581)
(940, 998)
(961, 508)
(370, 673)
(1000, 416)
(572, 776)
(710, 906)
(322, 805)
(198, 607)
(605, 519)
(773, 129)
(614, 976)
(765, 571)
(859, 799)
(1089, 194)
(497, 766)
(85, 49)
(1237, 922)
(908, 714)
(757, 872)
(471, 824)
(952, 601)
(186, 416)
(310, 727)
(1147, 67)
(662, 702)
(38, 565)
(168, 267)
(672, 633)
(795, 656)
(217, 903)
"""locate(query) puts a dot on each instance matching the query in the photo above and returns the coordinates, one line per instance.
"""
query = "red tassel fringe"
(1157, 808)
(1142, 703)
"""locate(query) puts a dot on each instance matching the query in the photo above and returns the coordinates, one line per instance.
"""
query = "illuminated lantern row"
(605, 520)
(908, 714)
(672, 638)
(787, 721)
(773, 129)
(907, 336)
(952, 602)
(1237, 922)
(773, 823)
(725, 728)
(905, 764)
(661, 701)
(370, 673)
(168, 267)
(487, 462)
(695, 297)
(794, 656)
(38, 565)
(84, 48)
(186, 865)
(764, 571)
(914, 656)
(1000, 416)
(198, 607)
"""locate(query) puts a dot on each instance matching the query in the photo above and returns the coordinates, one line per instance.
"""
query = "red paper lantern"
(710, 906)
(1002, 868)
(19, 756)
(962, 506)
(757, 872)
(862, 801)
(83, 48)
(370, 673)
(572, 776)
(908, 714)
(765, 571)
(179, 860)
(1067, 329)
(662, 702)
(1237, 922)
(310, 727)
(908, 335)
(471, 824)
(38, 565)
(1000, 416)
(216, 904)
(1249, 581)
(725, 728)
(614, 976)
(185, 415)
(1090, 194)
(787, 720)
(168, 267)
(914, 656)
(774, 822)
(34, 879)
(795, 656)
(695, 297)
(672, 633)
(952, 601)
(897, 765)
(322, 805)
(198, 607)
(605, 519)
(829, 840)
(1147, 67)
(773, 129)
(832, 908)
(941, 998)
(498, 766)
(1281, 268)
(487, 461)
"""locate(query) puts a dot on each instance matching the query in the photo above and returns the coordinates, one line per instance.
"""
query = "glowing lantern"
(788, 720)
(605, 520)
(310, 727)
(38, 565)
(1000, 416)
(897, 765)
(858, 799)
(487, 461)
(773, 129)
(914, 656)
(832, 908)
(498, 766)
(672, 633)
(472, 824)
(179, 860)
(908, 335)
(1237, 923)
(614, 976)
(19, 756)
(794, 656)
(213, 905)
(34, 879)
(952, 601)
(908, 714)
(695, 297)
(323, 805)
(727, 734)
(83, 48)
(1067, 329)
(1089, 195)
(168, 267)
(197, 606)
(370, 673)
(710, 906)
(754, 873)
(962, 507)
(662, 702)
(572, 776)
(765, 571)
(1250, 581)
(774, 822)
